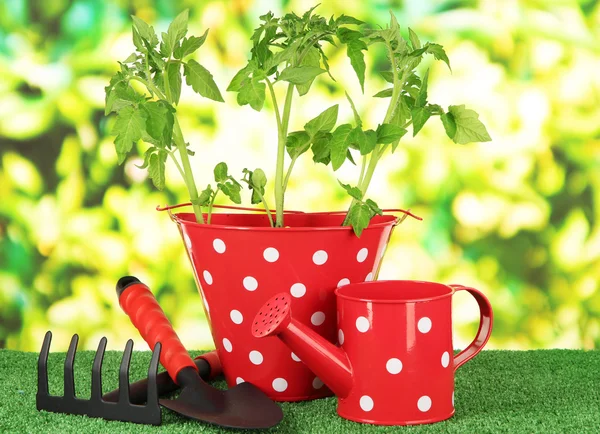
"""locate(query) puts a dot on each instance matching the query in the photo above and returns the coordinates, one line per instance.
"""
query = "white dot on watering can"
(227, 345)
(317, 383)
(219, 245)
(343, 282)
(362, 254)
(366, 403)
(239, 380)
(317, 318)
(424, 403)
(298, 290)
(207, 277)
(341, 336)
(445, 359)
(295, 358)
(394, 366)
(256, 357)
(424, 325)
(236, 316)
(280, 384)
(271, 254)
(369, 277)
(362, 324)
(320, 257)
(250, 283)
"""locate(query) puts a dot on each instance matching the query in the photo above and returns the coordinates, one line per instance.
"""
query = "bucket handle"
(241, 208)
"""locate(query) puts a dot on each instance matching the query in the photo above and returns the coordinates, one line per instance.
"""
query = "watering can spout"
(328, 362)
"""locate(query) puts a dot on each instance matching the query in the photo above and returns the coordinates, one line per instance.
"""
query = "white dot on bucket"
(317, 383)
(362, 324)
(250, 283)
(317, 318)
(452, 399)
(362, 254)
(271, 254)
(227, 345)
(298, 290)
(424, 325)
(219, 245)
(341, 336)
(236, 316)
(369, 277)
(207, 277)
(345, 281)
(295, 358)
(320, 257)
(424, 403)
(393, 366)
(256, 357)
(239, 380)
(366, 403)
(280, 384)
(445, 359)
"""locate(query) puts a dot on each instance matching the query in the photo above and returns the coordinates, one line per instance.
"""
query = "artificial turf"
(545, 391)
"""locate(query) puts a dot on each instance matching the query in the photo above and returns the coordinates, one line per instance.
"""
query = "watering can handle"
(486, 321)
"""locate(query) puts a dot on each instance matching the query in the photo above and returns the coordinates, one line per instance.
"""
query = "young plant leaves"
(339, 145)
(232, 190)
(258, 181)
(299, 74)
(312, 58)
(174, 77)
(252, 92)
(463, 126)
(206, 196)
(156, 168)
(357, 118)
(177, 30)
(297, 143)
(352, 191)
(220, 172)
(201, 80)
(359, 215)
(144, 31)
(389, 133)
(324, 122)
(159, 122)
(128, 128)
(189, 45)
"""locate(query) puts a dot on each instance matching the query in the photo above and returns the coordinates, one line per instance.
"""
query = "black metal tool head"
(122, 410)
(242, 406)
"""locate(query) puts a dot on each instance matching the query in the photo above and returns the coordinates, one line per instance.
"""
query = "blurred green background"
(517, 217)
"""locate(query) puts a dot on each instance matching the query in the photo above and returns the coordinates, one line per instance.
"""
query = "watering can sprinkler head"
(327, 361)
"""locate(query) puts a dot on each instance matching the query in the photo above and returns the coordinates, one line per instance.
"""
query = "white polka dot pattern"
(298, 290)
(362, 254)
(271, 254)
(219, 245)
(394, 366)
(250, 283)
(317, 318)
(236, 316)
(256, 357)
(366, 403)
(362, 324)
(445, 359)
(424, 403)
(227, 345)
(345, 281)
(320, 257)
(424, 325)
(280, 384)
(207, 277)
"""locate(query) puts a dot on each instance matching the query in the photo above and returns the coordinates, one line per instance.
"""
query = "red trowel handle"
(147, 316)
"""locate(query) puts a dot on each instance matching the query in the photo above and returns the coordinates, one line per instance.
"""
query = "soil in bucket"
(240, 262)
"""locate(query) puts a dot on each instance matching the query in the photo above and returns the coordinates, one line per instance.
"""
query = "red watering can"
(394, 364)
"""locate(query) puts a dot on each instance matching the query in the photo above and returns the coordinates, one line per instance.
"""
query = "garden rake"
(96, 406)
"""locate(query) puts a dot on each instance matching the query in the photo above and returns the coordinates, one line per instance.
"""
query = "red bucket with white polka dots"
(395, 363)
(240, 262)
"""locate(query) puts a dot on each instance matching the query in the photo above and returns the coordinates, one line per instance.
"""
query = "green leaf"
(386, 93)
(137, 40)
(147, 156)
(420, 115)
(300, 74)
(252, 92)
(324, 122)
(387, 76)
(346, 35)
(414, 39)
(449, 124)
(205, 196)
(374, 207)
(297, 143)
(389, 133)
(259, 181)
(421, 99)
(119, 95)
(357, 118)
(345, 19)
(357, 138)
(468, 127)
(189, 45)
(438, 52)
(232, 190)
(239, 78)
(357, 59)
(359, 216)
(321, 148)
(201, 80)
(145, 31)
(159, 122)
(312, 58)
(352, 191)
(370, 142)
(177, 30)
(128, 128)
(156, 168)
(221, 172)
(174, 76)
(339, 145)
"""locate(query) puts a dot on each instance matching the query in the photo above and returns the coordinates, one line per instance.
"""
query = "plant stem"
(166, 81)
(176, 164)
(279, 180)
(210, 205)
(396, 88)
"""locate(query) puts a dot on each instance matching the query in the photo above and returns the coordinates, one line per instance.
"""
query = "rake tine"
(43, 365)
(97, 371)
(124, 373)
(70, 359)
(152, 394)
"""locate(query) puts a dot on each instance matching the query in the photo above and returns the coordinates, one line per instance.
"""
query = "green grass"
(548, 391)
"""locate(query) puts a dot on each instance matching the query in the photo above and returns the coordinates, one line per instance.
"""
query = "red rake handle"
(138, 302)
